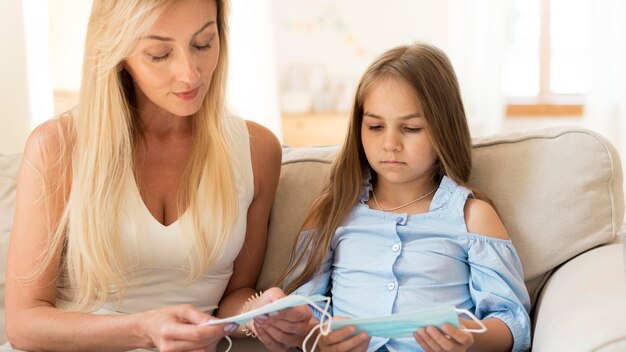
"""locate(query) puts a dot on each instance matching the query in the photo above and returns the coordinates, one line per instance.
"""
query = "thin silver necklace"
(403, 205)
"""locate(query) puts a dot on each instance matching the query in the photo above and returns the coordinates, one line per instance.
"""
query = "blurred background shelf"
(314, 128)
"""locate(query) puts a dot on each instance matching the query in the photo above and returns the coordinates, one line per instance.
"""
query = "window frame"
(546, 103)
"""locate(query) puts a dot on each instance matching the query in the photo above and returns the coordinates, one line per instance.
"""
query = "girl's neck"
(405, 198)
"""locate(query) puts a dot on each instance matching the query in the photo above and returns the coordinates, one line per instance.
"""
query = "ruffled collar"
(441, 197)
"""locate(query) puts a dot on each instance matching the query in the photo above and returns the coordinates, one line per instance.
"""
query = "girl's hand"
(344, 339)
(432, 339)
(176, 329)
(282, 329)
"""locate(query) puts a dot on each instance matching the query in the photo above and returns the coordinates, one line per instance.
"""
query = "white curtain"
(253, 79)
(25, 84)
(605, 110)
(478, 44)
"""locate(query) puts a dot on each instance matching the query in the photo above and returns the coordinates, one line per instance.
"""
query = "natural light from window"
(548, 50)
(570, 39)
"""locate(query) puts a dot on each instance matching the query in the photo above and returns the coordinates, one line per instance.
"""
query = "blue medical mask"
(405, 324)
(399, 325)
(283, 303)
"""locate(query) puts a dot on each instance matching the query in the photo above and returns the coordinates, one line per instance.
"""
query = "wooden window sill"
(544, 110)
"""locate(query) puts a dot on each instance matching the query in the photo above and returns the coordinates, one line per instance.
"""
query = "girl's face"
(397, 145)
(173, 65)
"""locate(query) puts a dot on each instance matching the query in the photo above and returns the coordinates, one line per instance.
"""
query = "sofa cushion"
(9, 165)
(558, 191)
(302, 175)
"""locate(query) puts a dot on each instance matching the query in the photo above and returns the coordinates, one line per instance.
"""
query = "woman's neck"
(156, 122)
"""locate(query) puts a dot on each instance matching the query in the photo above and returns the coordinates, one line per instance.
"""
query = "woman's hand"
(344, 339)
(282, 329)
(176, 329)
(432, 339)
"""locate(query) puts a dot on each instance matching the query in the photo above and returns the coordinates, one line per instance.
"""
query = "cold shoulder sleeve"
(497, 286)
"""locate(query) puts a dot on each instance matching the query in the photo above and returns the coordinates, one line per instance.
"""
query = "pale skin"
(399, 149)
(168, 92)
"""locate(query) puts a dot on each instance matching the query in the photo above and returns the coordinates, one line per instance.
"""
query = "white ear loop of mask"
(323, 326)
(230, 343)
(482, 329)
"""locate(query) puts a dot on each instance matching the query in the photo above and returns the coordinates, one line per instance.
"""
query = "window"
(546, 69)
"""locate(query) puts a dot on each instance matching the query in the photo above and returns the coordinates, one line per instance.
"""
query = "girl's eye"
(375, 127)
(412, 129)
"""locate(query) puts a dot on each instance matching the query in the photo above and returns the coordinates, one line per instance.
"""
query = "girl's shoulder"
(481, 218)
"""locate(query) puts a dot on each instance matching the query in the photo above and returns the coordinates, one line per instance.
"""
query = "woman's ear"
(122, 66)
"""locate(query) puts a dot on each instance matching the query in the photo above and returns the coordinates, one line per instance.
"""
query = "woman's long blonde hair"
(103, 134)
(427, 70)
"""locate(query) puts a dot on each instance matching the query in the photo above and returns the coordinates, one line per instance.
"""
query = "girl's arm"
(32, 320)
(481, 218)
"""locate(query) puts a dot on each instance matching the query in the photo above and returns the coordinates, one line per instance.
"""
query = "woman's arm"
(32, 320)
(287, 327)
(266, 157)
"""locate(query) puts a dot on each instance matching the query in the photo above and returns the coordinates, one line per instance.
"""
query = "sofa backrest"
(559, 192)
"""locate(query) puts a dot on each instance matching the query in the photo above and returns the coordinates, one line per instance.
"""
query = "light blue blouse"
(381, 263)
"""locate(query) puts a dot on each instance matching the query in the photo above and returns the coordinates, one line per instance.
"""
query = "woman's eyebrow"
(167, 39)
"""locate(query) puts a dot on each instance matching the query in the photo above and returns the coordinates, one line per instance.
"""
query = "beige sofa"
(560, 194)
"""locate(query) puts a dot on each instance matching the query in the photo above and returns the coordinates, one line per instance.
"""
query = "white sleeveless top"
(158, 255)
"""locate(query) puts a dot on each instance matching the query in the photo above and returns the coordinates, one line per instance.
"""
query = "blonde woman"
(149, 199)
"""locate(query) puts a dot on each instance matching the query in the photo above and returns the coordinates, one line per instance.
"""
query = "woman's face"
(173, 65)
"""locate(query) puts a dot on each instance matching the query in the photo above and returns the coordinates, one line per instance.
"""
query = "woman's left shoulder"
(262, 141)
(481, 218)
(266, 155)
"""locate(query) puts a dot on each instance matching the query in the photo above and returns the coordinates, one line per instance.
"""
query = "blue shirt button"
(400, 219)
(391, 286)
(395, 247)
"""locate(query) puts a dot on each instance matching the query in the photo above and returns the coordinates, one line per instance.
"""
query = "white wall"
(323, 46)
(252, 83)
(68, 28)
(25, 90)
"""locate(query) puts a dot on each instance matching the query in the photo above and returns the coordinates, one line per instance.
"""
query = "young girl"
(412, 234)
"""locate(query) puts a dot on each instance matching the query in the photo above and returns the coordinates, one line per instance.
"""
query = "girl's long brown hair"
(427, 70)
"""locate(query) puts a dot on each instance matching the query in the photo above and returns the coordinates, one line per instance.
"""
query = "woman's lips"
(188, 95)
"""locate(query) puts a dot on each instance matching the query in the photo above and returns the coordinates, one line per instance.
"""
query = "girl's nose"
(392, 142)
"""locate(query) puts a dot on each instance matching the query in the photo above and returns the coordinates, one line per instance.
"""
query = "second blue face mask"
(405, 324)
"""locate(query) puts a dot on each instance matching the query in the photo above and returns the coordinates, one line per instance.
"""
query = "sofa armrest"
(583, 305)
